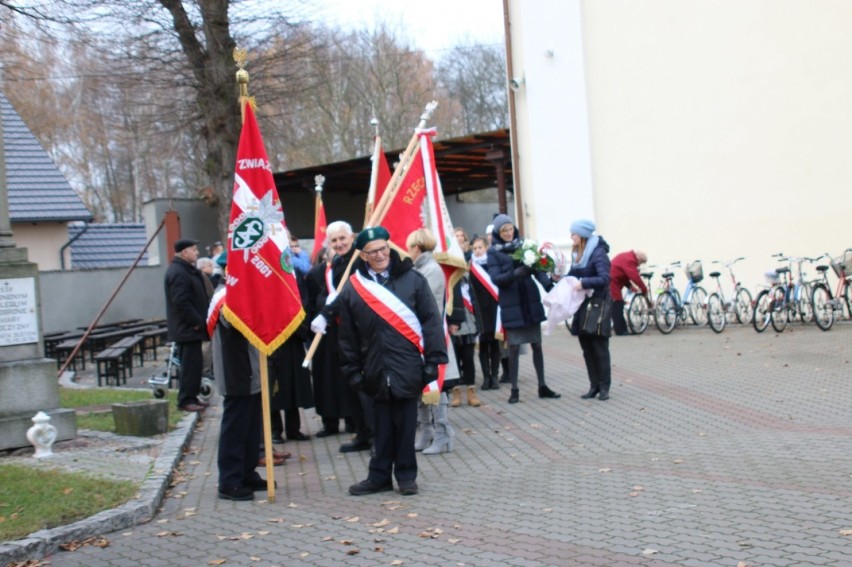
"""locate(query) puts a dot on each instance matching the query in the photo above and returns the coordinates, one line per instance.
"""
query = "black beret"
(184, 243)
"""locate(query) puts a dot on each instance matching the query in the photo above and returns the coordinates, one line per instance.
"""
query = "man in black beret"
(186, 314)
(391, 343)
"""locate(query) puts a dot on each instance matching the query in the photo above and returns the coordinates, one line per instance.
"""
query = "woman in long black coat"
(521, 309)
(591, 266)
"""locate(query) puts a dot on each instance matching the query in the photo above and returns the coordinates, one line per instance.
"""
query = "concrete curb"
(45, 542)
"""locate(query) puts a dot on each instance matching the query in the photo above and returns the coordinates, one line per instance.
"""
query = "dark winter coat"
(485, 308)
(329, 381)
(372, 348)
(236, 364)
(594, 275)
(520, 300)
(290, 383)
(186, 302)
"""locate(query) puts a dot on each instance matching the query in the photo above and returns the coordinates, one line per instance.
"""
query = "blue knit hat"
(582, 228)
(501, 220)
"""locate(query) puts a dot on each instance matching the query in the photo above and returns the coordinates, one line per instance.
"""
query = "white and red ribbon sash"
(482, 277)
(465, 293)
(329, 280)
(390, 308)
(216, 303)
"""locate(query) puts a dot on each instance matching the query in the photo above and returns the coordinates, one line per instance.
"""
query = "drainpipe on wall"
(69, 243)
(513, 130)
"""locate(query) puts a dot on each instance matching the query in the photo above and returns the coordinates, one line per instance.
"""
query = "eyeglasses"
(373, 253)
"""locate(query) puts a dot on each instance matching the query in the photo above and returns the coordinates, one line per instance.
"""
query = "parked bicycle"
(672, 308)
(828, 307)
(720, 309)
(785, 299)
(640, 307)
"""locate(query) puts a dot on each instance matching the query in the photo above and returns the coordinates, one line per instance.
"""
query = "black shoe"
(257, 484)
(369, 487)
(408, 488)
(277, 439)
(604, 396)
(327, 432)
(355, 445)
(298, 436)
(236, 493)
(590, 394)
(513, 399)
(545, 392)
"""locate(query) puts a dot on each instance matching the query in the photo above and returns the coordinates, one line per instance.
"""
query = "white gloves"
(319, 324)
(331, 297)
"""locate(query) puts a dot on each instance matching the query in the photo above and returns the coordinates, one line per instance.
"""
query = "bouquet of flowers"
(544, 258)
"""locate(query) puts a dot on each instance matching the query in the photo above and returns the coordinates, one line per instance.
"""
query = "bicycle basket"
(772, 277)
(695, 272)
(841, 264)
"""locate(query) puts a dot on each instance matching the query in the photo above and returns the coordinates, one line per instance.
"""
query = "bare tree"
(475, 76)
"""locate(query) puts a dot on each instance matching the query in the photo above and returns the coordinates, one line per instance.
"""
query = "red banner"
(262, 299)
(320, 225)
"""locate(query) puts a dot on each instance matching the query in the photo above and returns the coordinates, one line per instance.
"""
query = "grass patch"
(101, 420)
(32, 499)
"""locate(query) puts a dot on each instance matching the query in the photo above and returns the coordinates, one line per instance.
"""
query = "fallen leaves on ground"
(353, 551)
(845, 532)
(93, 541)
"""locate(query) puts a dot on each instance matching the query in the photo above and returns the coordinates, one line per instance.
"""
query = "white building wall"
(717, 129)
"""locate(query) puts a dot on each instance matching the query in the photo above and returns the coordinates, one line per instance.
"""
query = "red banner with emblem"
(262, 299)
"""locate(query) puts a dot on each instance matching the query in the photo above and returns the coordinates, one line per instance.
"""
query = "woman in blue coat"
(521, 310)
(591, 266)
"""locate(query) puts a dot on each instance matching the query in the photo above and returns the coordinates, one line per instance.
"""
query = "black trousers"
(465, 354)
(239, 437)
(395, 425)
(598, 366)
(489, 357)
(289, 426)
(362, 414)
(619, 324)
(191, 366)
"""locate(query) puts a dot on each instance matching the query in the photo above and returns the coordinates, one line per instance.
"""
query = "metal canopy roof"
(464, 164)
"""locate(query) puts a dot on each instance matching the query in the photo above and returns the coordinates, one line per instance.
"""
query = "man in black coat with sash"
(391, 343)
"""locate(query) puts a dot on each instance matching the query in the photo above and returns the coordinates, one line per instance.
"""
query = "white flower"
(530, 245)
(530, 258)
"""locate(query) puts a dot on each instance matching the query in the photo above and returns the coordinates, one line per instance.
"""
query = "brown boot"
(472, 400)
(456, 397)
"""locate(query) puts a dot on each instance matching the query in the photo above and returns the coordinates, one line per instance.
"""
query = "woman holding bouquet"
(521, 310)
(591, 266)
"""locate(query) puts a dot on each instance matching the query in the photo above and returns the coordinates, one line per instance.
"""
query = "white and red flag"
(262, 300)
(380, 177)
(419, 203)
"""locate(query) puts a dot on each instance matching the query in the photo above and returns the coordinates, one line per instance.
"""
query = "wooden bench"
(134, 346)
(112, 363)
(63, 351)
(152, 339)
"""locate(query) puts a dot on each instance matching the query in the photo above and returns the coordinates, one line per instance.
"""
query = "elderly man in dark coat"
(187, 299)
(391, 343)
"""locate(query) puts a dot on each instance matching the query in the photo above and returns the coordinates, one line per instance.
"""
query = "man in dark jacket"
(391, 343)
(333, 395)
(186, 311)
(625, 273)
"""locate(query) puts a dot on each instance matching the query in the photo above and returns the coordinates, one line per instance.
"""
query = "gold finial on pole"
(240, 58)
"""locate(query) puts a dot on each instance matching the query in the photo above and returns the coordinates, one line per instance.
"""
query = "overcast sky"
(433, 25)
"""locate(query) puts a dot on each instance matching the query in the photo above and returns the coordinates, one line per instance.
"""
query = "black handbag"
(596, 316)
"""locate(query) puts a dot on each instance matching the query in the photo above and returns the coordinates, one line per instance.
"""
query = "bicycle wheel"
(716, 315)
(847, 295)
(698, 306)
(779, 314)
(823, 307)
(665, 313)
(680, 310)
(804, 306)
(638, 314)
(743, 306)
(762, 310)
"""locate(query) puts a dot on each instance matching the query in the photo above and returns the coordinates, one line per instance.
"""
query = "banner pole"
(240, 56)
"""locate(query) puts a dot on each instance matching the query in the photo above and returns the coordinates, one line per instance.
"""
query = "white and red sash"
(390, 308)
(482, 277)
(329, 280)
(465, 293)
(216, 303)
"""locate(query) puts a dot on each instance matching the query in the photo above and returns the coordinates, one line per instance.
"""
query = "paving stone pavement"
(716, 450)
